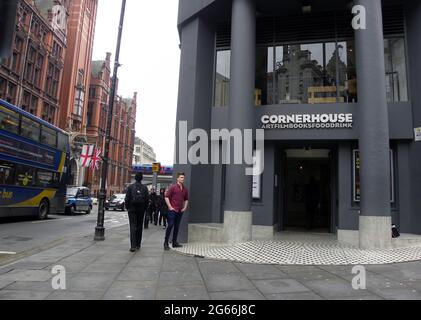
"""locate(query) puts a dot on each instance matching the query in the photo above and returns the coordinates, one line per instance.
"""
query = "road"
(22, 236)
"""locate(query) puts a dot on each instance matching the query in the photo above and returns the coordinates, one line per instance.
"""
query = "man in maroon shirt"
(177, 199)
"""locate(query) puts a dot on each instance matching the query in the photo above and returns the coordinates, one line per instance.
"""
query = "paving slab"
(227, 282)
(175, 278)
(398, 294)
(237, 295)
(139, 274)
(294, 296)
(279, 286)
(23, 295)
(130, 294)
(193, 292)
(259, 272)
(90, 281)
(26, 275)
(75, 295)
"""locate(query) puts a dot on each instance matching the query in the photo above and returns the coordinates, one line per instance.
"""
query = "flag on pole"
(95, 160)
(86, 155)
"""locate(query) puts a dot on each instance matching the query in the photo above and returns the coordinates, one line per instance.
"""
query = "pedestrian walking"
(163, 208)
(177, 199)
(137, 197)
(150, 209)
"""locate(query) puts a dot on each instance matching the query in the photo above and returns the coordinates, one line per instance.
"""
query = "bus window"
(30, 129)
(63, 142)
(48, 136)
(46, 179)
(25, 176)
(7, 173)
(9, 120)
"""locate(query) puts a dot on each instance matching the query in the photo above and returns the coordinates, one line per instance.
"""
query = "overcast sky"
(150, 59)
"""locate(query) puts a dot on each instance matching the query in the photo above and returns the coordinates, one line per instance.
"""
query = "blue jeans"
(174, 219)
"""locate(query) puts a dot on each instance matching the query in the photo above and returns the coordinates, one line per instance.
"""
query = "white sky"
(150, 59)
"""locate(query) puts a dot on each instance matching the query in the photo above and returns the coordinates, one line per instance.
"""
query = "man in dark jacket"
(137, 198)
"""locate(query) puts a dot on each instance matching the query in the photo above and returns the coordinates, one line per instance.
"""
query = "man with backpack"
(137, 198)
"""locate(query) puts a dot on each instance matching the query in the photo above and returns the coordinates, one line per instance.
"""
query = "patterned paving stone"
(301, 252)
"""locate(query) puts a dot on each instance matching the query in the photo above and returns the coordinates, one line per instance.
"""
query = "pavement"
(108, 271)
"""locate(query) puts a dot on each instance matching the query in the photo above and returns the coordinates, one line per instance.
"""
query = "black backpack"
(138, 195)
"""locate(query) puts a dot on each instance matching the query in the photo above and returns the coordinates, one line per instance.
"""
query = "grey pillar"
(413, 31)
(375, 219)
(237, 215)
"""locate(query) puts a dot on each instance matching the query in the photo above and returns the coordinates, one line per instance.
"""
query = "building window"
(356, 176)
(53, 77)
(396, 77)
(79, 101)
(222, 78)
(90, 114)
(3, 88)
(296, 74)
(11, 93)
(315, 73)
(29, 71)
(17, 53)
(264, 76)
(38, 69)
(48, 113)
(92, 93)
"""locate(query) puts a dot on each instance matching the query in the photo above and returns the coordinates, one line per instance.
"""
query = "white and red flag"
(95, 159)
(86, 155)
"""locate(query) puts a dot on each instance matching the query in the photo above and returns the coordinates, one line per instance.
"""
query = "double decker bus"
(34, 156)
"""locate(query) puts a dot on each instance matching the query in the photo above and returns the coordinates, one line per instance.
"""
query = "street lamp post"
(100, 230)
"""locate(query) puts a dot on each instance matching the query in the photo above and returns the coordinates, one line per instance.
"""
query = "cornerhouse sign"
(308, 121)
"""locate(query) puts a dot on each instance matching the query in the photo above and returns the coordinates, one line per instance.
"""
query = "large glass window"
(315, 73)
(46, 179)
(30, 129)
(396, 78)
(264, 76)
(7, 173)
(25, 176)
(49, 136)
(222, 78)
(9, 120)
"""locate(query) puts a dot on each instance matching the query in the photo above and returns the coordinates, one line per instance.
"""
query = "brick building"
(31, 77)
(122, 133)
(76, 77)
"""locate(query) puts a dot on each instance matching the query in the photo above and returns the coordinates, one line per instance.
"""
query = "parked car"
(78, 199)
(116, 202)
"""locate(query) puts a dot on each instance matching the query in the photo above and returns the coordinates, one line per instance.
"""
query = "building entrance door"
(307, 190)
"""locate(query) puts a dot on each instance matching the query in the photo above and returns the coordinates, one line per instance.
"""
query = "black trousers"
(163, 217)
(136, 216)
(174, 219)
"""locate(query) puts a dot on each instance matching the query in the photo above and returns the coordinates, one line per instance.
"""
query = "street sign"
(156, 167)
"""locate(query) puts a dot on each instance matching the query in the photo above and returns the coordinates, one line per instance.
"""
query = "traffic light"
(8, 10)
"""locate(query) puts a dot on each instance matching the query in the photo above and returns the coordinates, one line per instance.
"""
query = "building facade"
(122, 132)
(338, 106)
(143, 153)
(31, 78)
(76, 77)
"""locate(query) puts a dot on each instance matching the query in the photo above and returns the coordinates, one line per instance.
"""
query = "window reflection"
(222, 78)
(396, 80)
(315, 73)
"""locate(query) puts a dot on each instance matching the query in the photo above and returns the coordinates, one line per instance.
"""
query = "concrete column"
(375, 219)
(237, 211)
(413, 31)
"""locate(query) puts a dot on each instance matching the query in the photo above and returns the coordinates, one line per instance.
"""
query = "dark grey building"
(339, 107)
